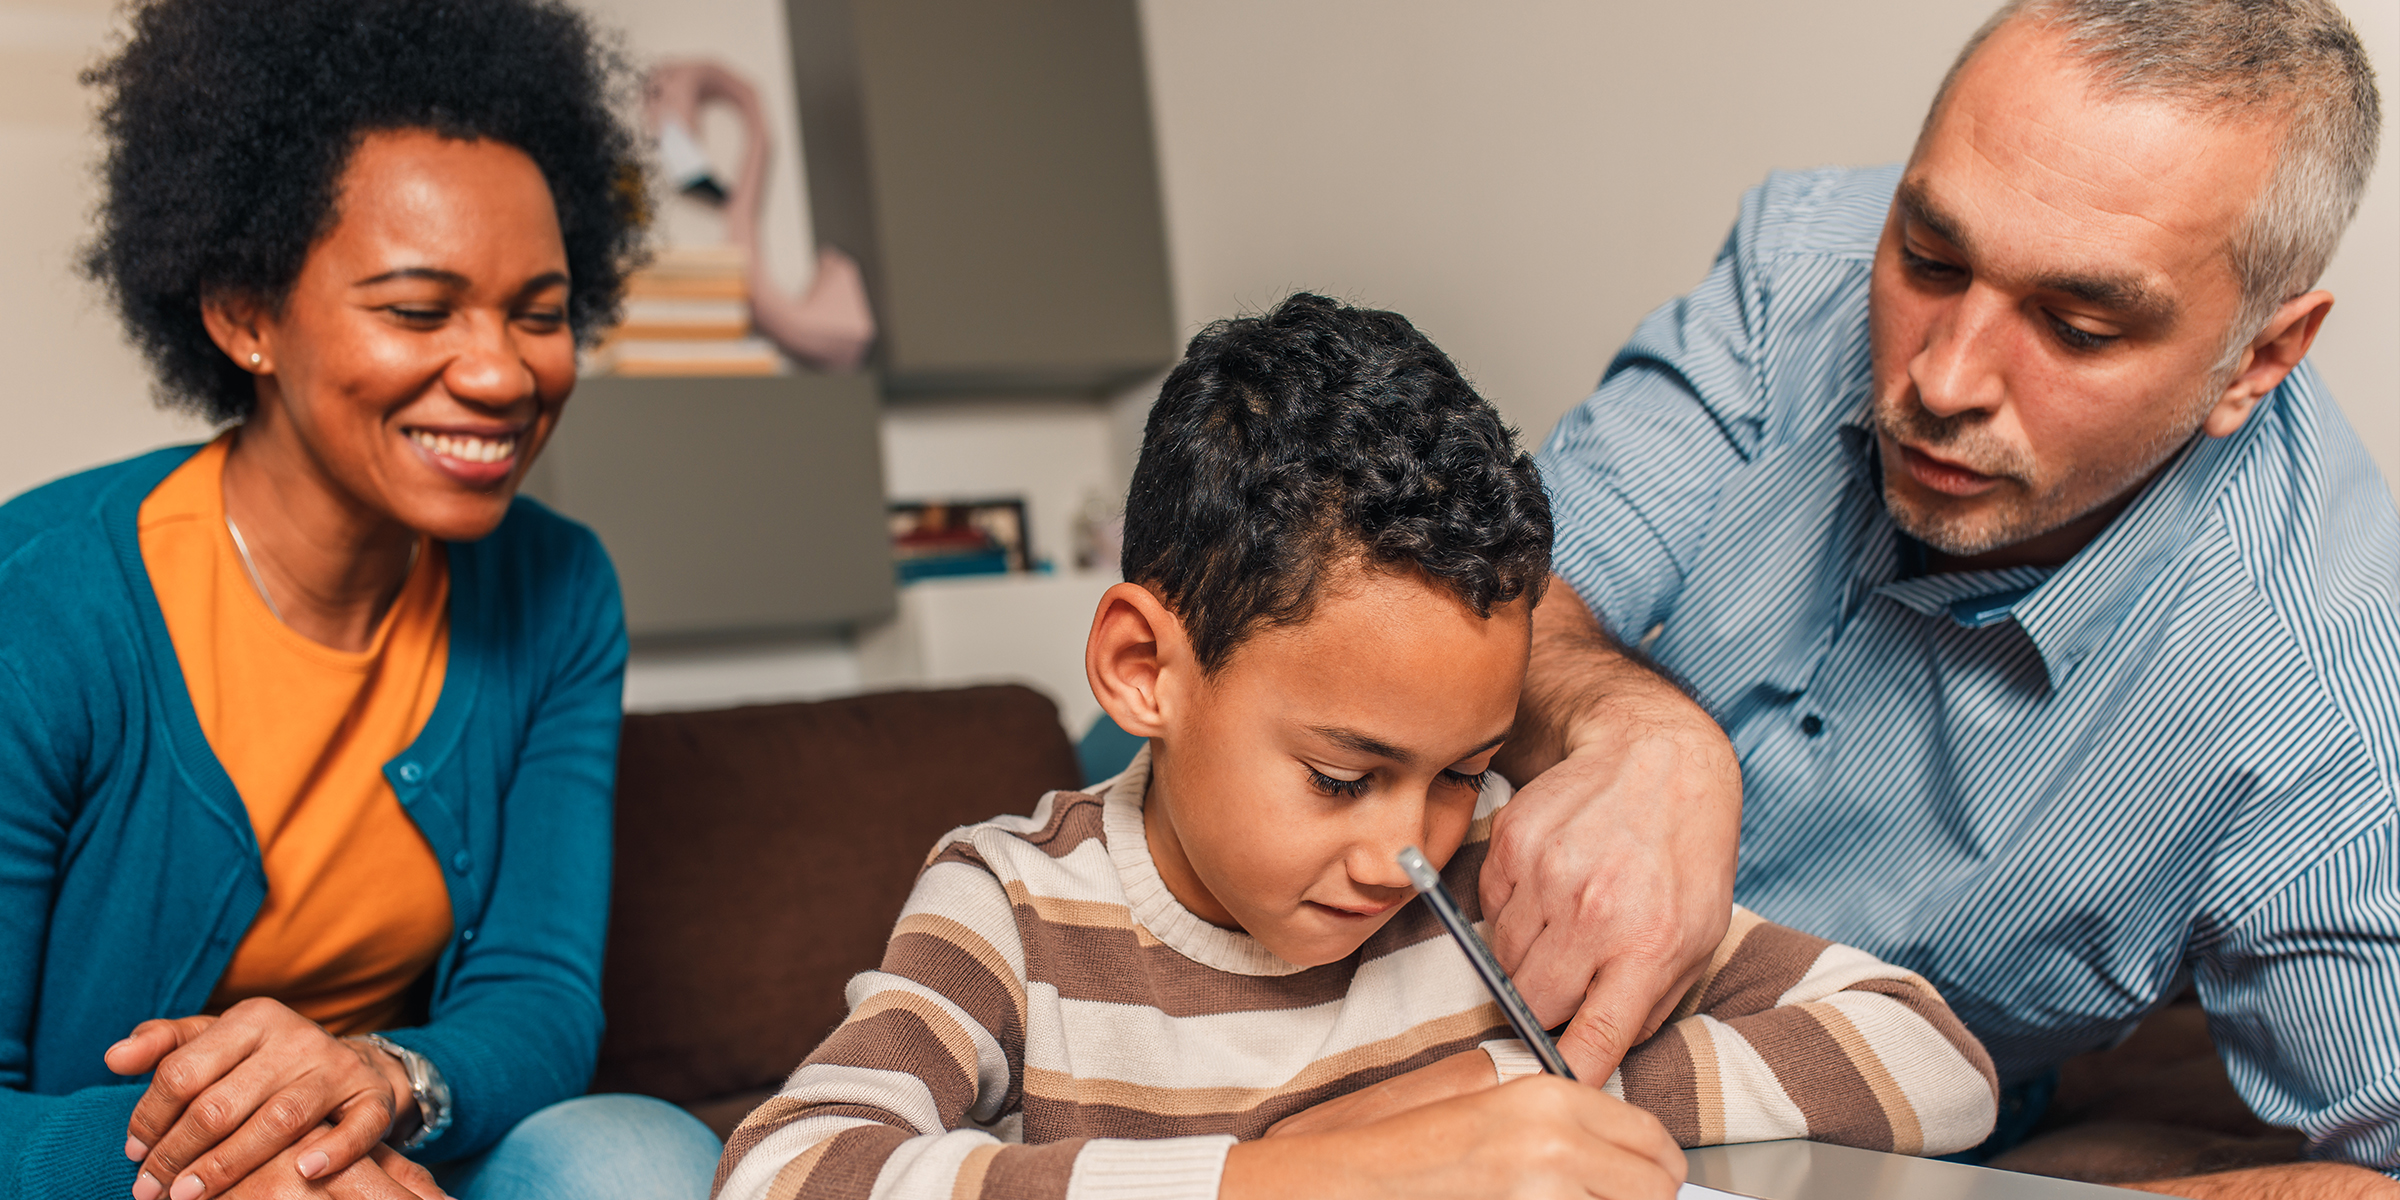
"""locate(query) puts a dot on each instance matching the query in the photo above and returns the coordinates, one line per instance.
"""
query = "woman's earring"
(254, 358)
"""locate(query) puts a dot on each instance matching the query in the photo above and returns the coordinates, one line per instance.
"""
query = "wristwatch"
(425, 1082)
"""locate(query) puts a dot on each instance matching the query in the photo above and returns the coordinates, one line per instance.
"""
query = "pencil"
(1428, 883)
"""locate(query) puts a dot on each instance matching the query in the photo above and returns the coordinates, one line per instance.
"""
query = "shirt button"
(467, 935)
(1812, 725)
(411, 772)
(459, 861)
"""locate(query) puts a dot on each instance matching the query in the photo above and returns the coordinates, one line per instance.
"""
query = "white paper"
(1693, 1191)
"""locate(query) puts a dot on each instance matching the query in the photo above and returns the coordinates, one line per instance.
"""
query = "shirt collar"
(2066, 612)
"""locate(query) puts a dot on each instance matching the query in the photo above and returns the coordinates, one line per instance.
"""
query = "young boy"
(1332, 550)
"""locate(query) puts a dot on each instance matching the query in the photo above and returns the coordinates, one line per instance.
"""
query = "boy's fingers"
(1638, 1132)
(1623, 1174)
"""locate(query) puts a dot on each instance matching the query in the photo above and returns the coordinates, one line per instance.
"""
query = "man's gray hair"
(2294, 59)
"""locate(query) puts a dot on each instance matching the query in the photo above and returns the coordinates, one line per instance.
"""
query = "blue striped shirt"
(2054, 792)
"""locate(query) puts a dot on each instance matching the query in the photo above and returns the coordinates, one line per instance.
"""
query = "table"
(1795, 1170)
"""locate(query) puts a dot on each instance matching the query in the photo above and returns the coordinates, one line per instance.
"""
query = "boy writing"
(1204, 978)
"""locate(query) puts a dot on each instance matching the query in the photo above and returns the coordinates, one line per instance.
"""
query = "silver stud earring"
(254, 358)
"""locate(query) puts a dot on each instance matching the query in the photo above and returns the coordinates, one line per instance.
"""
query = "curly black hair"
(1287, 444)
(229, 124)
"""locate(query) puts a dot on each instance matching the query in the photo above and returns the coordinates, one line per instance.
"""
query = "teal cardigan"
(129, 871)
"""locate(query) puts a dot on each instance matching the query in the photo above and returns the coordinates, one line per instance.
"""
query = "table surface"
(1813, 1171)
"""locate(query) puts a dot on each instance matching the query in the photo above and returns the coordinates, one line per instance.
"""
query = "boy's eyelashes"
(1344, 788)
(1352, 788)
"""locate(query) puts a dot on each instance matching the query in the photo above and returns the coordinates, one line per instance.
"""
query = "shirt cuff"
(1183, 1168)
(1512, 1058)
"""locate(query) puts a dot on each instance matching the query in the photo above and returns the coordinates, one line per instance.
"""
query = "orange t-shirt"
(356, 908)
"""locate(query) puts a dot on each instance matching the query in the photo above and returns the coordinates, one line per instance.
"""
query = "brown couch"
(763, 854)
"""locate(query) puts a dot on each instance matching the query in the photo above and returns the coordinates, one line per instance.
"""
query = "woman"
(307, 735)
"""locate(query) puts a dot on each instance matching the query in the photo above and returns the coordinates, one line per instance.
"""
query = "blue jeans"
(592, 1148)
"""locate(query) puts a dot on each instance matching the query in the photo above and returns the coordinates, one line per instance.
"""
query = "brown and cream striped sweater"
(1050, 1021)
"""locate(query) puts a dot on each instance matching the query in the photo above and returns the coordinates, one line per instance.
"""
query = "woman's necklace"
(243, 548)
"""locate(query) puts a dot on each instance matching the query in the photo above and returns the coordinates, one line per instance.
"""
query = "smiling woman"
(307, 735)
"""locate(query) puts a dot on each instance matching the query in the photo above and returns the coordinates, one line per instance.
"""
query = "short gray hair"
(2297, 59)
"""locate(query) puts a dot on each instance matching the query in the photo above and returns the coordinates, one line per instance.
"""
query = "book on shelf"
(687, 313)
(672, 356)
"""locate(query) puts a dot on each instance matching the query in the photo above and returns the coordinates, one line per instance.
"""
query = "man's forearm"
(1584, 683)
(2289, 1181)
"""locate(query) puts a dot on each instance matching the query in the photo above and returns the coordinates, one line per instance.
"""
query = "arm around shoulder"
(1611, 869)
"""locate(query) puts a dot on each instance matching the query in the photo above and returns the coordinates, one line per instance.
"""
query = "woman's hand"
(1462, 1074)
(1542, 1137)
(382, 1175)
(232, 1093)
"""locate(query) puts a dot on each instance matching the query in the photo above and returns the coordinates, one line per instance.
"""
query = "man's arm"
(2289, 1181)
(1611, 870)
(2303, 998)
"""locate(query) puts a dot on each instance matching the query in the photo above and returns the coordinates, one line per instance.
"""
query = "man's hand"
(2289, 1181)
(1462, 1074)
(231, 1093)
(1538, 1137)
(1610, 876)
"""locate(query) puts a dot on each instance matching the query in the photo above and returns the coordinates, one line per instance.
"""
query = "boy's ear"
(1134, 639)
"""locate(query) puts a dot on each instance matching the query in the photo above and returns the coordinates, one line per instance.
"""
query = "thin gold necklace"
(243, 548)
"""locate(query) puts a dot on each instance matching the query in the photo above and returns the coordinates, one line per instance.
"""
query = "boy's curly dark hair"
(1287, 444)
(229, 123)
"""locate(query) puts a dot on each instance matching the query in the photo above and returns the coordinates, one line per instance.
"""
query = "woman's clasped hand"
(263, 1102)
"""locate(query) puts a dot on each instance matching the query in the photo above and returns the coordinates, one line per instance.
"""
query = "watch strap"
(426, 1086)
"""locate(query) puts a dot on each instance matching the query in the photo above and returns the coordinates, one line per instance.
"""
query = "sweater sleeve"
(52, 1146)
(913, 1096)
(1792, 1036)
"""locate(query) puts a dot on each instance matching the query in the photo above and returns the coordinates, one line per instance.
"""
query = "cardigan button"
(460, 861)
(411, 772)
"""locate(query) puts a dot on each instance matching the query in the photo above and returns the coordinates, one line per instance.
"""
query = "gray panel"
(730, 505)
(1795, 1170)
(1012, 186)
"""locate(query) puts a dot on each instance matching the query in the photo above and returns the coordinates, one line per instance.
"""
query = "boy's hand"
(1542, 1137)
(1462, 1074)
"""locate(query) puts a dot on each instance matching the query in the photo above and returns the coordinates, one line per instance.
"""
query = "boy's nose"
(1374, 861)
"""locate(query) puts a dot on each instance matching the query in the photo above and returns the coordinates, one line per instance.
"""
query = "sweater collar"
(1155, 909)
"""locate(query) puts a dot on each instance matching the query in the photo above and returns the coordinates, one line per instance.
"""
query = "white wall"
(1524, 178)
(75, 394)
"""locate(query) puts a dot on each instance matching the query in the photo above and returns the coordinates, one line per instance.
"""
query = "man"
(2049, 610)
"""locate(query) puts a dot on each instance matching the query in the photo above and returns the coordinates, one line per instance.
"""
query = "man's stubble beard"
(2043, 505)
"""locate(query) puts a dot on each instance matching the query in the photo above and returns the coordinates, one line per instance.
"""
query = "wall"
(76, 394)
(1524, 178)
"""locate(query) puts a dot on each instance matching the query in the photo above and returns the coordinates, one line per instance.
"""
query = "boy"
(1332, 550)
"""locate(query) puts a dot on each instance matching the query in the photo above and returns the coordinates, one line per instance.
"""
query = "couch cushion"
(763, 854)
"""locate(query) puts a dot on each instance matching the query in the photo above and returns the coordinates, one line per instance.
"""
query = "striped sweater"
(1050, 1021)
